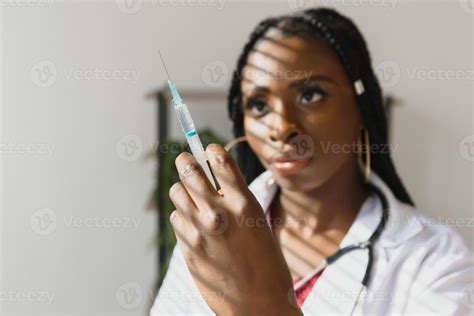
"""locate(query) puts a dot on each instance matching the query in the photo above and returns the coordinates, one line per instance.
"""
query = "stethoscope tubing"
(368, 244)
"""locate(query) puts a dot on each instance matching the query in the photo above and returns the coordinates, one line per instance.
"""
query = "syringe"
(187, 125)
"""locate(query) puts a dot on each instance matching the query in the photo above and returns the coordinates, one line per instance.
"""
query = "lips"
(286, 165)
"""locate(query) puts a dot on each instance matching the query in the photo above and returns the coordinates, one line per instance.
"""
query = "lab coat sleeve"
(444, 284)
(179, 294)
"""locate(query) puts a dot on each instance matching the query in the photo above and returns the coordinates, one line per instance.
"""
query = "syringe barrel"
(196, 148)
(193, 139)
(198, 152)
(184, 118)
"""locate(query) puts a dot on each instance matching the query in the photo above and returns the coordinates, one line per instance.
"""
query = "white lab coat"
(420, 267)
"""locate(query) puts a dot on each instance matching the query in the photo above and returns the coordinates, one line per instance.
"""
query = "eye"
(257, 106)
(311, 94)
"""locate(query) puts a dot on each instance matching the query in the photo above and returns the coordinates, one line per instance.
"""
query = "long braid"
(346, 40)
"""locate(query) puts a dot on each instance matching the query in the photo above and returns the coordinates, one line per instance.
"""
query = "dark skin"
(318, 102)
(240, 266)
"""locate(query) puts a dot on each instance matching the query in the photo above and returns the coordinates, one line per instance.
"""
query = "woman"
(326, 225)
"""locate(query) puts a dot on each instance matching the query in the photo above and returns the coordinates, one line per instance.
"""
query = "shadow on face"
(300, 108)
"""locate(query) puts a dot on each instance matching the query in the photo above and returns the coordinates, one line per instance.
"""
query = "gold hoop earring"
(241, 139)
(366, 166)
(234, 142)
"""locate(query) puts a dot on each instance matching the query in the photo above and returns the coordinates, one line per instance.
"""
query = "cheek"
(334, 131)
(338, 124)
(255, 133)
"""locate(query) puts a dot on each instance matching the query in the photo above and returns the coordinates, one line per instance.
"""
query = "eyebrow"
(303, 81)
(299, 82)
(255, 88)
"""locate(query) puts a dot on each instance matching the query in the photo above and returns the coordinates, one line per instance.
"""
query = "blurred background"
(80, 85)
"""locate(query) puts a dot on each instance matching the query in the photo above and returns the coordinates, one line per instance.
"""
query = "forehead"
(283, 58)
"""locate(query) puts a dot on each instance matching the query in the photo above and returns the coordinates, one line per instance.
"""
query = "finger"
(177, 223)
(195, 182)
(211, 221)
(189, 238)
(183, 202)
(226, 170)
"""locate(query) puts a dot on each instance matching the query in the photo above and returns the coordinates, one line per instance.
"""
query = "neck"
(328, 209)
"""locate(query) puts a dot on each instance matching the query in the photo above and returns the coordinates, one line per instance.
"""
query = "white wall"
(87, 175)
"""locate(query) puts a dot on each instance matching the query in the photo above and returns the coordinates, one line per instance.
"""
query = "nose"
(283, 129)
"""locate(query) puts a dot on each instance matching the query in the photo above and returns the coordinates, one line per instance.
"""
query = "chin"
(302, 181)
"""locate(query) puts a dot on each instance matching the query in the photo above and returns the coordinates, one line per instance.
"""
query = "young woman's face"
(299, 110)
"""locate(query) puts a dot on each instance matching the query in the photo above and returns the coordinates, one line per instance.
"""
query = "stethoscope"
(368, 244)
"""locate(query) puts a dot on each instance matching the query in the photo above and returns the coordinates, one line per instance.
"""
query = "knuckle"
(189, 170)
(185, 249)
(190, 258)
(175, 189)
(218, 154)
(196, 240)
(222, 159)
(215, 221)
(242, 206)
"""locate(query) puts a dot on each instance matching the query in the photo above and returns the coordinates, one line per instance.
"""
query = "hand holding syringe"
(186, 122)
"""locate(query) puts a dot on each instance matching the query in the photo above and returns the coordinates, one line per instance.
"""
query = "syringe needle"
(187, 125)
(164, 65)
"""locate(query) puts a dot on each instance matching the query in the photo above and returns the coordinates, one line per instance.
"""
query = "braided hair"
(349, 45)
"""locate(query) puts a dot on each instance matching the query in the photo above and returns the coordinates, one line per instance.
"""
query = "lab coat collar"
(339, 289)
(402, 223)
